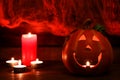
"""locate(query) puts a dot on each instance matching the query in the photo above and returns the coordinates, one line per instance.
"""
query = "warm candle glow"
(87, 63)
(36, 61)
(29, 34)
(12, 59)
(29, 48)
(12, 62)
(19, 62)
(19, 65)
(19, 68)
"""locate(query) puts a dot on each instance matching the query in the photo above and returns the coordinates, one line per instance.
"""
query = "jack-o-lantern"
(87, 52)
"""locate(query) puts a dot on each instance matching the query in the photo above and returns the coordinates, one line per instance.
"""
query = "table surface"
(52, 70)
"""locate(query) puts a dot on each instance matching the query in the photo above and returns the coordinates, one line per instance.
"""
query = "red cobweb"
(59, 17)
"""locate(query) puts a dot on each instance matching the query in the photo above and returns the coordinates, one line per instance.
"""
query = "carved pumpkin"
(87, 52)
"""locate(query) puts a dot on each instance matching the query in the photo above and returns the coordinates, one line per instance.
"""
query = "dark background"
(53, 21)
(11, 38)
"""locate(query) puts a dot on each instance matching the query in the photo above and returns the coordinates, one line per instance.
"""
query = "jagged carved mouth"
(87, 63)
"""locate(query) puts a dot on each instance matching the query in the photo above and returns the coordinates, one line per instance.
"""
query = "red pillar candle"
(29, 48)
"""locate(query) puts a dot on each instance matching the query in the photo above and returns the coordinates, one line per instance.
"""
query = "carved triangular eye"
(95, 38)
(82, 37)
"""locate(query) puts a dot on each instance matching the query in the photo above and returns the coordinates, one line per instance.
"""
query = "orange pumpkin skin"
(87, 45)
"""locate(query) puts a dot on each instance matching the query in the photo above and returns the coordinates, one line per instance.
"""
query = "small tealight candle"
(12, 62)
(36, 63)
(88, 65)
(19, 68)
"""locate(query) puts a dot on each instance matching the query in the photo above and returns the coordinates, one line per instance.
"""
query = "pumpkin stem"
(100, 28)
(87, 23)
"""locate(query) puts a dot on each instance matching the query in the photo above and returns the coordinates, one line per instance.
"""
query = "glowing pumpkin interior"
(88, 49)
(86, 54)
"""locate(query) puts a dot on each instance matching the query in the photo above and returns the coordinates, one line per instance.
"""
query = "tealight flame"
(37, 59)
(12, 59)
(36, 62)
(87, 63)
(19, 62)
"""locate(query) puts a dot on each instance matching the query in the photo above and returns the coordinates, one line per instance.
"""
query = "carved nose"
(88, 47)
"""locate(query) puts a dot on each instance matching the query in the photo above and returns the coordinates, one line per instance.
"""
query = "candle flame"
(12, 58)
(37, 59)
(29, 34)
(19, 62)
(87, 63)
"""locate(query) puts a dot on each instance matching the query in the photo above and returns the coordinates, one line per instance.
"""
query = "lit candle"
(19, 68)
(29, 48)
(36, 63)
(88, 65)
(12, 62)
